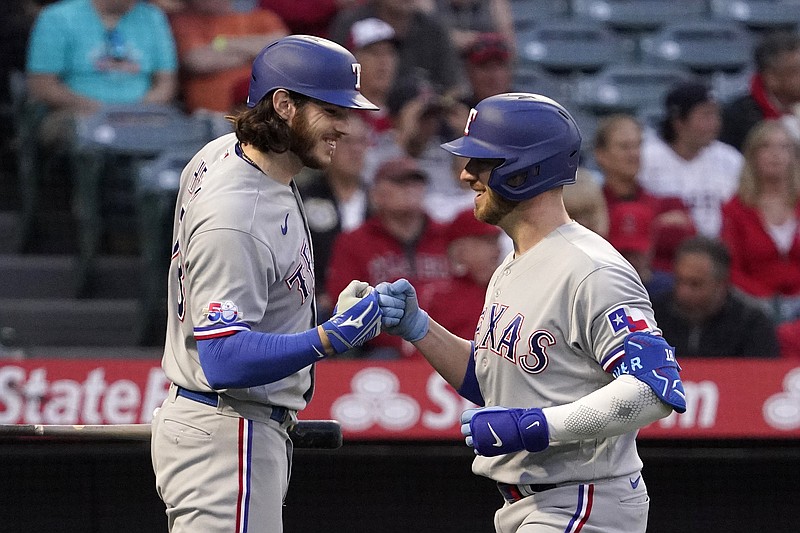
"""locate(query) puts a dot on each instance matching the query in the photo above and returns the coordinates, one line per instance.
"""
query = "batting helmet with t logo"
(537, 139)
(311, 66)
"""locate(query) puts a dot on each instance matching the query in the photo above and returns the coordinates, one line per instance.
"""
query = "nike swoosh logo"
(533, 425)
(285, 225)
(497, 441)
(358, 321)
(635, 482)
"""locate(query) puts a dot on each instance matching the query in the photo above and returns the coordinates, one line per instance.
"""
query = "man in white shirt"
(686, 160)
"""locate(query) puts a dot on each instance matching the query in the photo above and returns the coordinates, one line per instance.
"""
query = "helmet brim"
(472, 148)
(350, 99)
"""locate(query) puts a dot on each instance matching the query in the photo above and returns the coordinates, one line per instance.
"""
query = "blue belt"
(278, 414)
(514, 493)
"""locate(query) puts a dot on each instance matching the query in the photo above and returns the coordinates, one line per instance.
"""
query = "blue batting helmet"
(536, 138)
(311, 66)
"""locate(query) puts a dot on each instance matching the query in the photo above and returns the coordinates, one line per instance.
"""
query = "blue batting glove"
(355, 325)
(496, 431)
(400, 309)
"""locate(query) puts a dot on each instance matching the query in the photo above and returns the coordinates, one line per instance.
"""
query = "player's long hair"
(262, 127)
(749, 181)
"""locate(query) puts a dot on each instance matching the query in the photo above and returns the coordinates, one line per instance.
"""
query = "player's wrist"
(533, 429)
(418, 326)
(325, 341)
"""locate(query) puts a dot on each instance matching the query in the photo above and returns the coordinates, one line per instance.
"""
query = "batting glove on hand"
(400, 308)
(496, 431)
(358, 322)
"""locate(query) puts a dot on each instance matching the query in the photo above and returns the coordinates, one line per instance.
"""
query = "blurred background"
(690, 115)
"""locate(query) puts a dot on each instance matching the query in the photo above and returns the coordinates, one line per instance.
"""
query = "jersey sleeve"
(165, 57)
(227, 276)
(610, 303)
(47, 46)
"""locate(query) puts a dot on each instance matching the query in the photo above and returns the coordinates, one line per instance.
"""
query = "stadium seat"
(32, 164)
(528, 13)
(566, 45)
(157, 182)
(627, 87)
(532, 79)
(702, 46)
(727, 86)
(110, 144)
(759, 14)
(638, 15)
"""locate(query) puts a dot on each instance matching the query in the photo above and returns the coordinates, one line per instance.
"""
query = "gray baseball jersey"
(552, 318)
(241, 259)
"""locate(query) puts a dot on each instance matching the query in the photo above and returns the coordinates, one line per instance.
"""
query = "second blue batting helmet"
(537, 139)
(311, 66)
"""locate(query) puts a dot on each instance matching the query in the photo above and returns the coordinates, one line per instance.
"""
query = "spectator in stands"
(419, 115)
(467, 19)
(703, 316)
(761, 224)
(474, 253)
(789, 338)
(774, 90)
(617, 151)
(216, 47)
(335, 201)
(307, 17)
(374, 44)
(488, 66)
(631, 232)
(585, 203)
(686, 160)
(399, 240)
(83, 54)
(425, 46)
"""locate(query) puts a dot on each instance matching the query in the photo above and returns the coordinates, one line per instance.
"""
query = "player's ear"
(284, 104)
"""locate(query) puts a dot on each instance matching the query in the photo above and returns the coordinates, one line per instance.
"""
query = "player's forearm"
(624, 405)
(51, 91)
(250, 358)
(448, 354)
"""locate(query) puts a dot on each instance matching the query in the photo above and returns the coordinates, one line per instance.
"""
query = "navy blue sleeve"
(469, 388)
(251, 358)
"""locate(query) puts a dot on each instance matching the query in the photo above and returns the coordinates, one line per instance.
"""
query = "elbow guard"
(650, 359)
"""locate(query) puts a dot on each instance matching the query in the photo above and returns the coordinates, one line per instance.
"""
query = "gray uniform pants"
(618, 505)
(219, 472)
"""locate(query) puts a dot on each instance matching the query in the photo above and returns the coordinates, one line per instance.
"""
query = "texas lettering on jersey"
(503, 335)
(302, 278)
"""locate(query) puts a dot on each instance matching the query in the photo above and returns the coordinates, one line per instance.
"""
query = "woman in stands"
(760, 224)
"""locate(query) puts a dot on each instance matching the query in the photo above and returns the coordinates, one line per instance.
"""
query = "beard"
(494, 209)
(303, 140)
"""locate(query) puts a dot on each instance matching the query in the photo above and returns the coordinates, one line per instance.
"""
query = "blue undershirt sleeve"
(250, 358)
(469, 388)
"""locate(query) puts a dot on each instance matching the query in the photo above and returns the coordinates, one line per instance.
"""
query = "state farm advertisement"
(402, 400)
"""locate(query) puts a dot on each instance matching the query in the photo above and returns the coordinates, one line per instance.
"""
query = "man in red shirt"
(399, 240)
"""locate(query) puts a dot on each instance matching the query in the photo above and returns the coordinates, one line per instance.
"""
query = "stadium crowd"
(703, 199)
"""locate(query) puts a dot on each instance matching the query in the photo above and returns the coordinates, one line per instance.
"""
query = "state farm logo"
(782, 410)
(375, 400)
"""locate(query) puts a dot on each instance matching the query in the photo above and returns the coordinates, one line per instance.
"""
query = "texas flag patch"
(627, 319)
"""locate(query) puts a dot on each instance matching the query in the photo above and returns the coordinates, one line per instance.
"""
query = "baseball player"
(567, 362)
(241, 336)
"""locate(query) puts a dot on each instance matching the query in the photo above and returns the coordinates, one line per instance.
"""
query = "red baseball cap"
(631, 227)
(487, 47)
